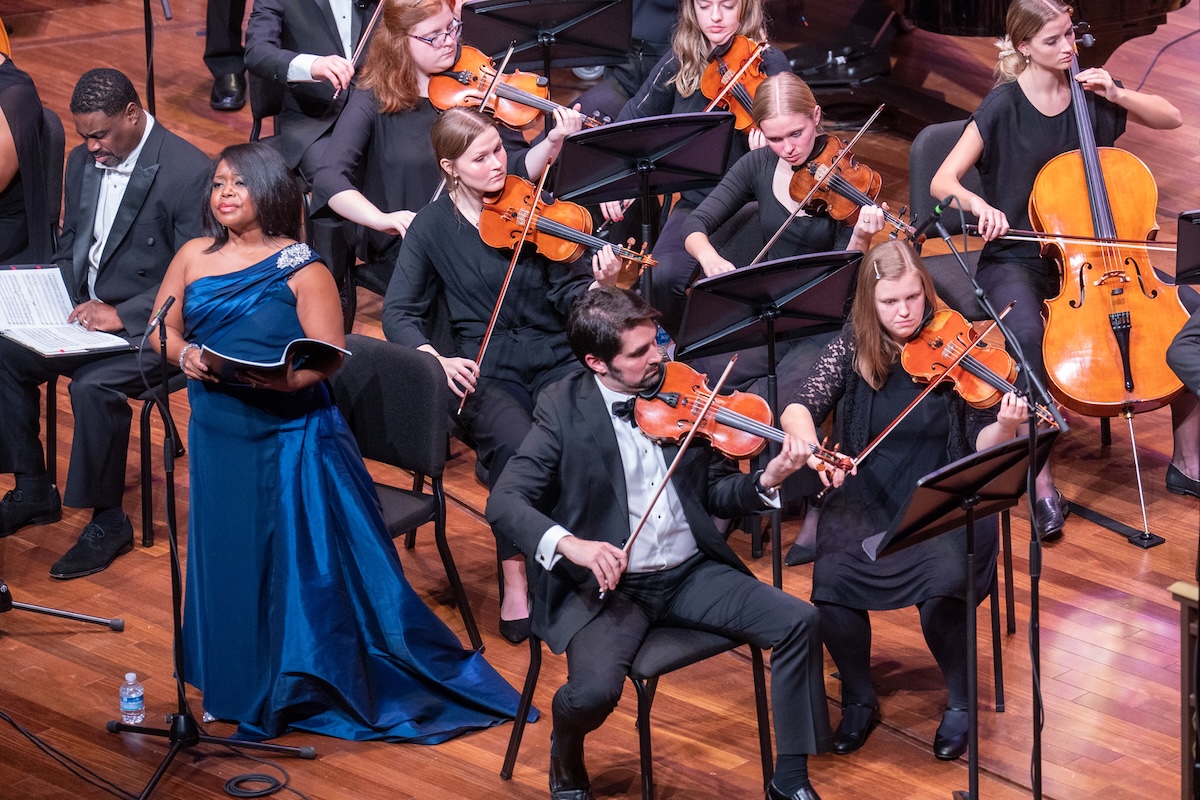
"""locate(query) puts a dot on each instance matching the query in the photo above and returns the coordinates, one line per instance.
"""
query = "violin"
(842, 190)
(737, 424)
(731, 80)
(561, 231)
(517, 99)
(982, 377)
(1108, 330)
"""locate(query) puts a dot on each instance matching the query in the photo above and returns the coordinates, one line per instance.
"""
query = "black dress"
(24, 203)
(940, 429)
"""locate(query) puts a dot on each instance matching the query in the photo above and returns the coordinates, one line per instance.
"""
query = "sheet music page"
(52, 340)
(33, 297)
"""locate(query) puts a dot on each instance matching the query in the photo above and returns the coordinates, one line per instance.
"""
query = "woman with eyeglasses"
(379, 169)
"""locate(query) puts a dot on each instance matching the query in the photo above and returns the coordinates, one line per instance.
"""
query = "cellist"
(1024, 122)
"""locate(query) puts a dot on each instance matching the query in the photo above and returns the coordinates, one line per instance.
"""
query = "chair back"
(54, 142)
(396, 401)
(929, 150)
(266, 100)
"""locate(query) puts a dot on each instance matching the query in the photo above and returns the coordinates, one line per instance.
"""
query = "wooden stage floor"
(1109, 631)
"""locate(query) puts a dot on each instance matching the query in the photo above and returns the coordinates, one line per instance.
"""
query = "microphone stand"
(1037, 391)
(184, 731)
(148, 23)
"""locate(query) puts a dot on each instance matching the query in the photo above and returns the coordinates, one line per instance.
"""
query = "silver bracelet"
(183, 353)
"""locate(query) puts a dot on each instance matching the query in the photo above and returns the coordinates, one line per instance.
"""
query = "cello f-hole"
(1137, 270)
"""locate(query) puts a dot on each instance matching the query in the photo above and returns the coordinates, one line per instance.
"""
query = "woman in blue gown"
(297, 613)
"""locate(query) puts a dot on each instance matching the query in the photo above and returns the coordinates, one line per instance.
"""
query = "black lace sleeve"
(977, 420)
(827, 381)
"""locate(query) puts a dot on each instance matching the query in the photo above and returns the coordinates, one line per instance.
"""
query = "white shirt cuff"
(545, 554)
(300, 70)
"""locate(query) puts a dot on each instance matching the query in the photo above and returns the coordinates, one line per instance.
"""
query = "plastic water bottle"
(665, 346)
(133, 700)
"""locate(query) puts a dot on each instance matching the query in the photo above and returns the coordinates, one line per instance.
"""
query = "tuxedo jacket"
(278, 31)
(159, 212)
(568, 472)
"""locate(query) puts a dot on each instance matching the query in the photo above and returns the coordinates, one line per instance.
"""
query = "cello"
(1108, 330)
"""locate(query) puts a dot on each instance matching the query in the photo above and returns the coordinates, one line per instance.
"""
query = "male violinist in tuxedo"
(571, 497)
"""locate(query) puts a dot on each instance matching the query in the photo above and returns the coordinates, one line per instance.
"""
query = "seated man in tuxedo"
(571, 497)
(133, 197)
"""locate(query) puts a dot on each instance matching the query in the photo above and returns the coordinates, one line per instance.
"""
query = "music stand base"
(1142, 539)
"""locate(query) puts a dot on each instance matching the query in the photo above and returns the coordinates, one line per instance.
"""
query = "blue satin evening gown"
(297, 612)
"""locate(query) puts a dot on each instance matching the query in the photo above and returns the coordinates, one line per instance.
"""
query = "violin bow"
(441, 187)
(362, 40)
(683, 446)
(816, 185)
(737, 76)
(512, 264)
(1015, 235)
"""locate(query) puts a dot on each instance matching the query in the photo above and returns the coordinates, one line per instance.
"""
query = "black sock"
(791, 772)
(110, 517)
(34, 486)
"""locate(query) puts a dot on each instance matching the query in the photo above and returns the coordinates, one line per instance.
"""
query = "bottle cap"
(130, 677)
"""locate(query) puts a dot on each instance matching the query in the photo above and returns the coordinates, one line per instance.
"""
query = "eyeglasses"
(440, 39)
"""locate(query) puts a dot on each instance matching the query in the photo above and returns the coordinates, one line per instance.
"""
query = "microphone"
(160, 315)
(938, 210)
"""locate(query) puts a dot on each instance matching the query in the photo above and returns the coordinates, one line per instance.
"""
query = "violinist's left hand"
(757, 139)
(1012, 414)
(791, 457)
(605, 266)
(870, 222)
(1097, 79)
(566, 122)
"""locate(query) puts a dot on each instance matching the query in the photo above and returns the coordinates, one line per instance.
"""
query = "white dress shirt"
(113, 184)
(300, 68)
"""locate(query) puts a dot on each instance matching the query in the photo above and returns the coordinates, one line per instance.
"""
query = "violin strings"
(851, 192)
(564, 231)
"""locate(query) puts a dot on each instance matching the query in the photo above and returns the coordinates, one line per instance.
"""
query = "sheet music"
(33, 297)
(34, 306)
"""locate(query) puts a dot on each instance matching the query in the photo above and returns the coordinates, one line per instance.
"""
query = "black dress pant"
(100, 389)
(705, 594)
(223, 49)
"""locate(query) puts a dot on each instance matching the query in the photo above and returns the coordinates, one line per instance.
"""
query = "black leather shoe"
(515, 630)
(799, 554)
(569, 779)
(805, 792)
(18, 509)
(1178, 483)
(950, 741)
(228, 92)
(96, 549)
(1050, 515)
(857, 722)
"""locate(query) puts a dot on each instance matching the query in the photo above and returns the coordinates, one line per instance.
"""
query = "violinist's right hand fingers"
(614, 210)
(992, 223)
(717, 266)
(335, 69)
(461, 374)
(757, 139)
(606, 561)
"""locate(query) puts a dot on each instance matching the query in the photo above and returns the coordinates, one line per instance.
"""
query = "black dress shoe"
(228, 92)
(97, 547)
(515, 630)
(1178, 483)
(569, 779)
(950, 741)
(857, 722)
(799, 554)
(19, 509)
(1050, 515)
(804, 792)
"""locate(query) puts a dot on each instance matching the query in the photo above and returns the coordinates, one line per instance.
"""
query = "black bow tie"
(623, 409)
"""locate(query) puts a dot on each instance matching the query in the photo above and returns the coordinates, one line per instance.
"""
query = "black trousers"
(100, 390)
(223, 37)
(706, 594)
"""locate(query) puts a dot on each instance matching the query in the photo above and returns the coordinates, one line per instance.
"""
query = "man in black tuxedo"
(304, 47)
(570, 498)
(133, 197)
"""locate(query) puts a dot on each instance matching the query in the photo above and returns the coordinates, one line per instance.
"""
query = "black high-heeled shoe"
(858, 720)
(950, 741)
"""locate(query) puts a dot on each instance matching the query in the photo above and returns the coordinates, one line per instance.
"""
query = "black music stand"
(1187, 253)
(644, 157)
(780, 300)
(563, 33)
(981, 484)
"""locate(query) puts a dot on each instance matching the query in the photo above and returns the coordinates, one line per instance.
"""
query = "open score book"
(34, 306)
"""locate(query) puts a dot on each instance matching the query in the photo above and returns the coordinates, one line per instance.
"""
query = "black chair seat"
(403, 510)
